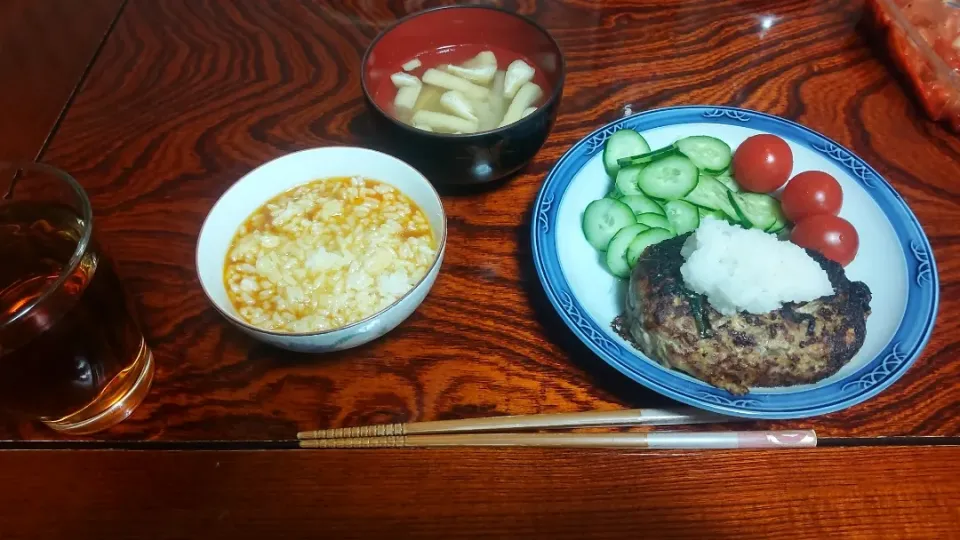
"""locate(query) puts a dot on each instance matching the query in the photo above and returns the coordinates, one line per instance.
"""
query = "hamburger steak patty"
(798, 343)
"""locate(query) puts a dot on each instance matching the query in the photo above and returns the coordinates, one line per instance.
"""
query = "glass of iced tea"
(71, 353)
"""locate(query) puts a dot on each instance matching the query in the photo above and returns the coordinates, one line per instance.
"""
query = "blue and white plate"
(895, 260)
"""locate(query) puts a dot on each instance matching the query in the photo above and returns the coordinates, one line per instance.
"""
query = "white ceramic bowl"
(274, 177)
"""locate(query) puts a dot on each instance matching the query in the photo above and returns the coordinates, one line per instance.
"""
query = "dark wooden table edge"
(201, 445)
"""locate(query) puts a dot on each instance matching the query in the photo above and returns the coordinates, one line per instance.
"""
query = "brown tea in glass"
(71, 353)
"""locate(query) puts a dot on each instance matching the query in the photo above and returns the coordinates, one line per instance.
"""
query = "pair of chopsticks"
(508, 431)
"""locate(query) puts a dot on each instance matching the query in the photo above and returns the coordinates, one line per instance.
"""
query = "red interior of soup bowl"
(453, 34)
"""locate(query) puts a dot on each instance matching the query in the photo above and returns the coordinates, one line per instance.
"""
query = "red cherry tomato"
(762, 163)
(810, 193)
(832, 236)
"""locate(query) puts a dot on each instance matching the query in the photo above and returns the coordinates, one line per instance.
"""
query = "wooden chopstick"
(653, 440)
(629, 417)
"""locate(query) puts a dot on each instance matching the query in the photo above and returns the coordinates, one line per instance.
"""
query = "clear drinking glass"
(71, 353)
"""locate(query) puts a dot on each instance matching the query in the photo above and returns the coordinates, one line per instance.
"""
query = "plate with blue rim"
(895, 260)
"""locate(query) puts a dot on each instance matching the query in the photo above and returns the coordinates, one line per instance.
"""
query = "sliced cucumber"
(624, 143)
(603, 218)
(704, 212)
(641, 204)
(669, 178)
(710, 193)
(627, 181)
(707, 153)
(728, 181)
(668, 191)
(617, 250)
(656, 221)
(649, 157)
(778, 225)
(756, 210)
(644, 240)
(682, 216)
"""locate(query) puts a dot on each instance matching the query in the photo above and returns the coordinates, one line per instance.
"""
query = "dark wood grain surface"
(186, 97)
(832, 493)
(45, 47)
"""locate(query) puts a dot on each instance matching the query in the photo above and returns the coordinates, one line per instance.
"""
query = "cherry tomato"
(810, 193)
(832, 236)
(762, 163)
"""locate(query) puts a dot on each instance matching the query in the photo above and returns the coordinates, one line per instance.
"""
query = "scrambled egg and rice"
(326, 254)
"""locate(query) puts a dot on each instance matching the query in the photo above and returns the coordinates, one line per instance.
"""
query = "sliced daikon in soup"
(468, 97)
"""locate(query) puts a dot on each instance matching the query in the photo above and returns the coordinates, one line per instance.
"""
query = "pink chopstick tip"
(805, 438)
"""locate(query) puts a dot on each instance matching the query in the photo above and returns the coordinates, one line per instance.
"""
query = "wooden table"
(184, 97)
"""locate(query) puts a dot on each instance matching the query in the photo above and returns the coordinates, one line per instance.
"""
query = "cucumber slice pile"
(654, 221)
(728, 181)
(641, 204)
(658, 194)
(644, 240)
(644, 159)
(603, 219)
(712, 194)
(617, 250)
(624, 143)
(682, 216)
(669, 178)
(758, 211)
(707, 153)
(626, 181)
